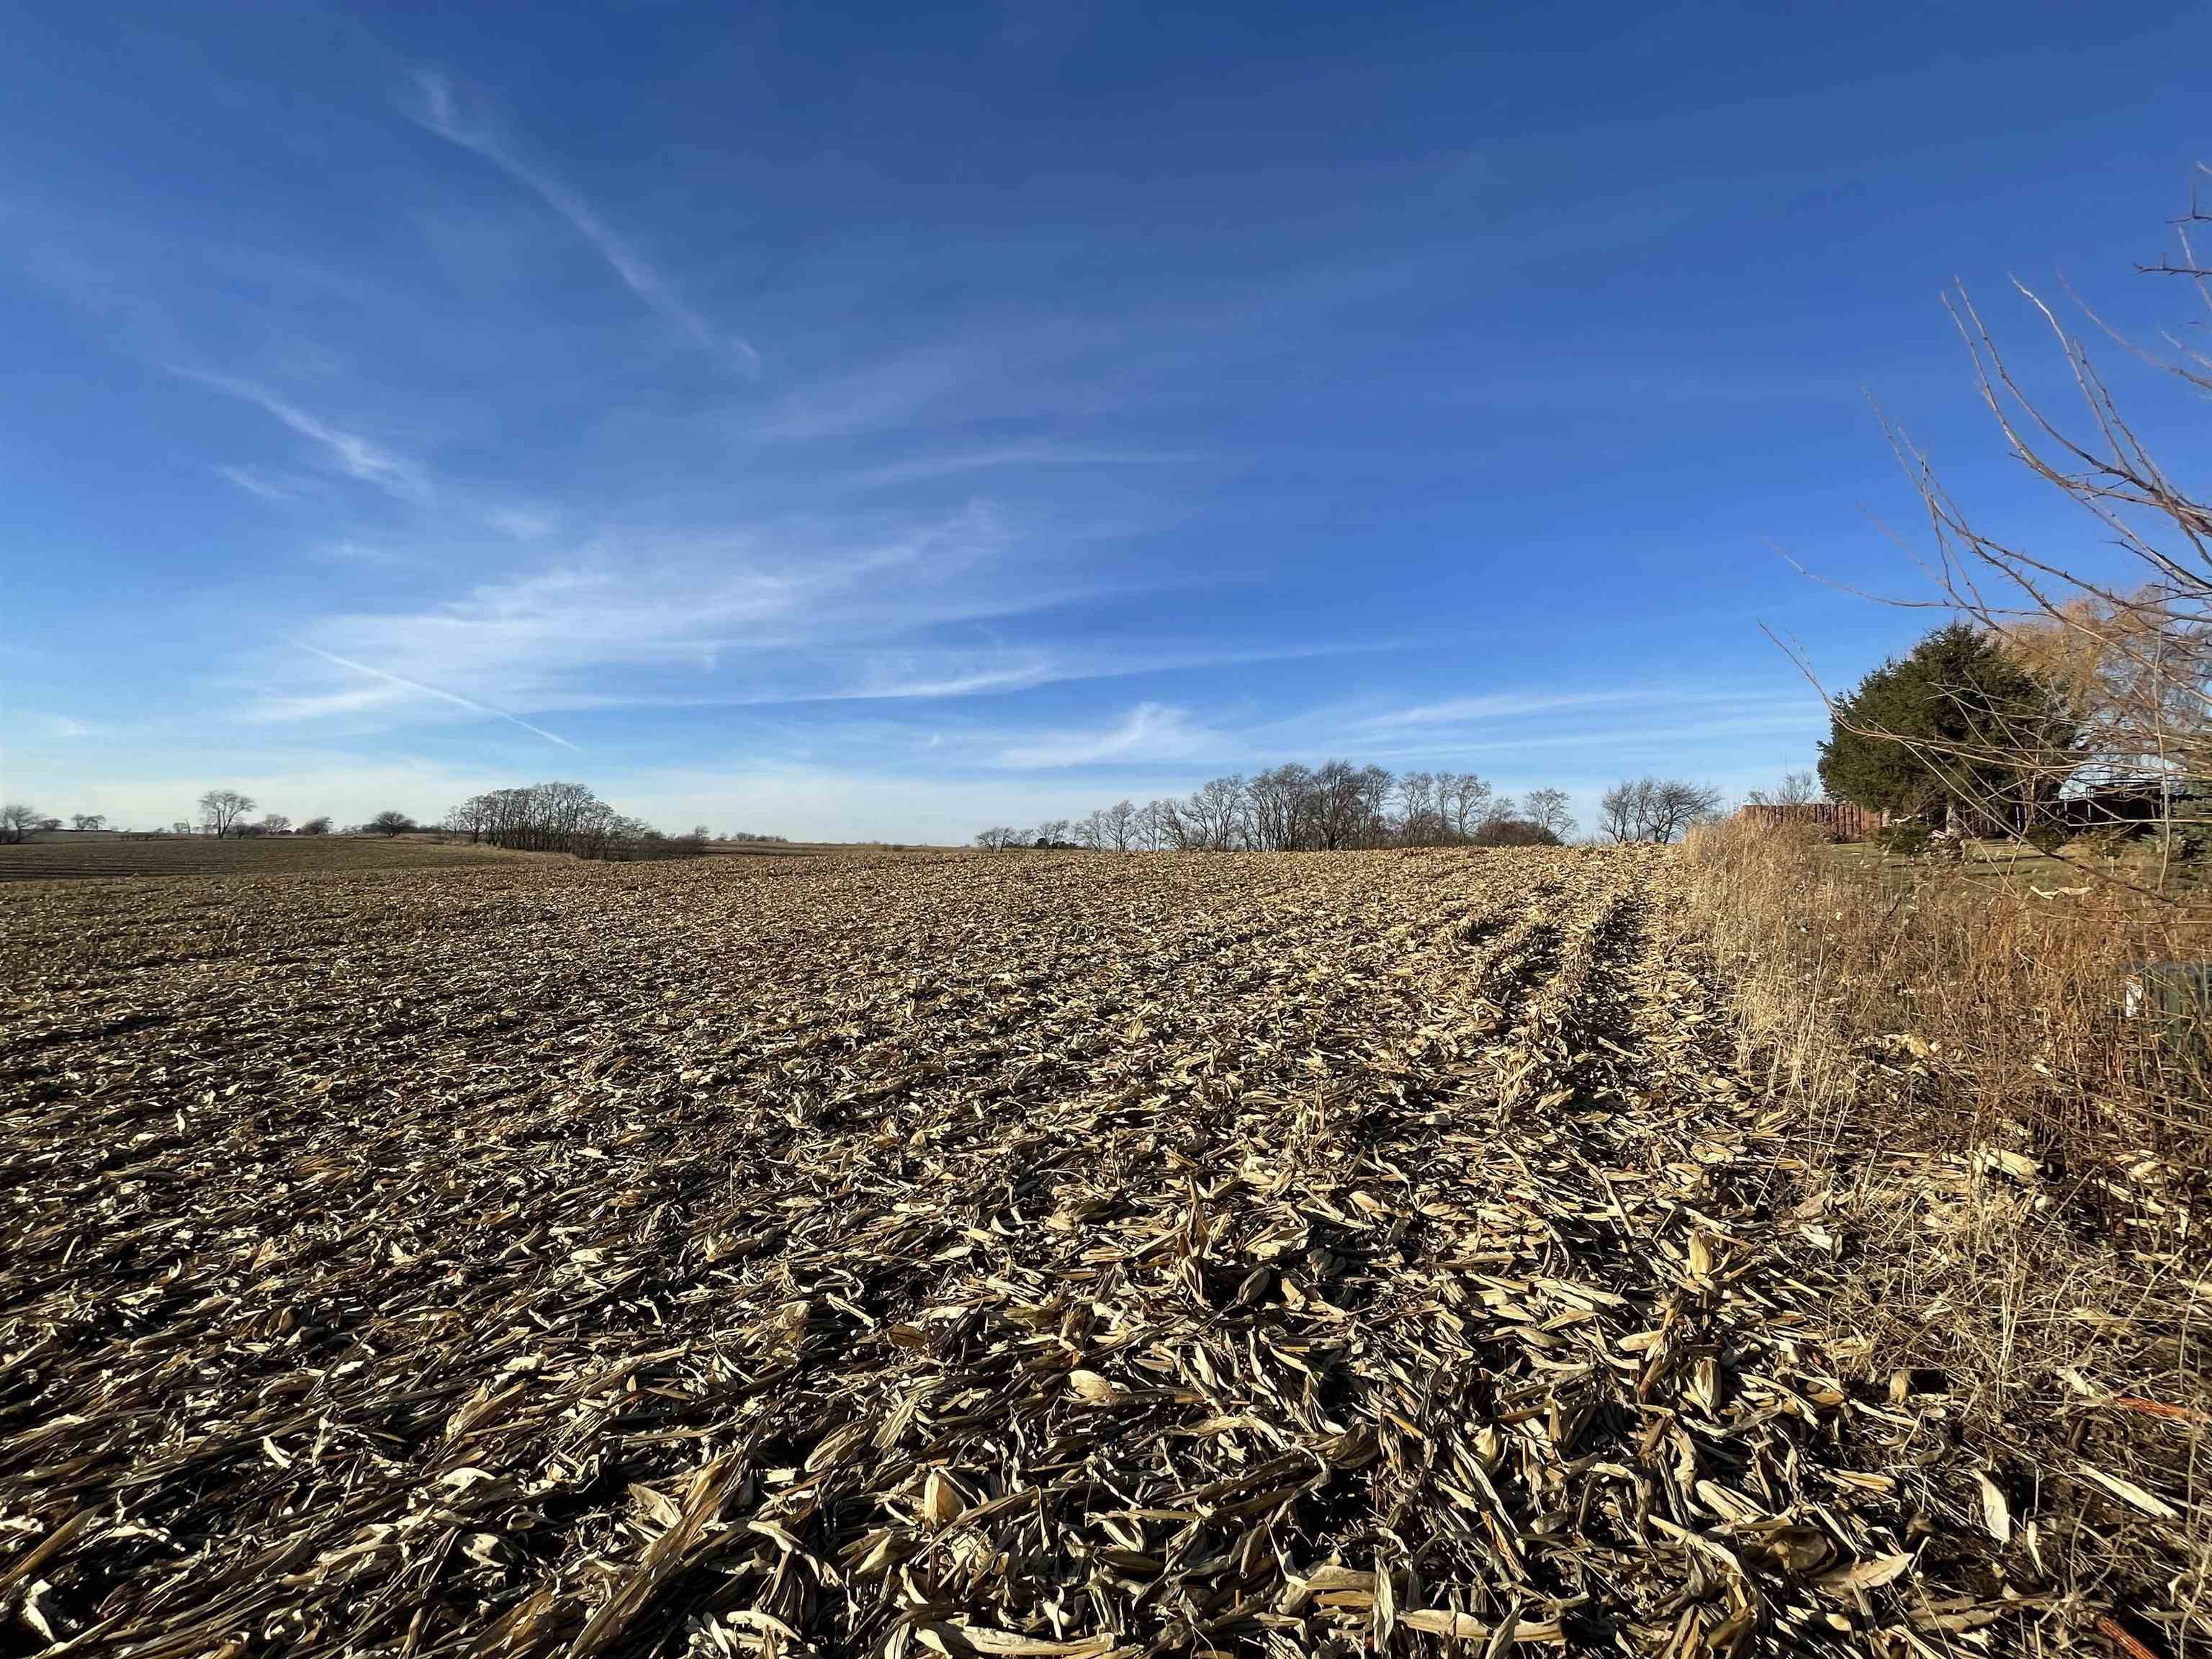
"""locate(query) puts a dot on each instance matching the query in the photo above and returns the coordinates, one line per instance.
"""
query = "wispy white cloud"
(902, 675)
(269, 486)
(1150, 732)
(353, 455)
(1500, 705)
(353, 550)
(926, 468)
(887, 394)
(401, 682)
(1685, 738)
(785, 609)
(524, 524)
(1687, 721)
(436, 112)
(1491, 707)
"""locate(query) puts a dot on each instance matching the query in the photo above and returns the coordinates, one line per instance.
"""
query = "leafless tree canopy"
(220, 810)
(562, 818)
(1655, 809)
(16, 822)
(1795, 789)
(1547, 808)
(1295, 808)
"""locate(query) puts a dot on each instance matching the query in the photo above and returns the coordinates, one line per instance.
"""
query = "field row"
(98, 857)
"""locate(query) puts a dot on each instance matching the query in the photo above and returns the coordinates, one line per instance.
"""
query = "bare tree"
(315, 826)
(275, 823)
(1421, 824)
(1677, 804)
(1547, 808)
(16, 822)
(1623, 809)
(469, 818)
(1348, 806)
(1214, 819)
(1278, 807)
(1655, 809)
(220, 810)
(1795, 789)
(1338, 805)
(1121, 825)
(998, 838)
(1464, 799)
(87, 821)
(1152, 824)
(567, 818)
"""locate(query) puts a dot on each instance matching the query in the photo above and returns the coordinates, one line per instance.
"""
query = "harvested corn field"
(1017, 1255)
(104, 857)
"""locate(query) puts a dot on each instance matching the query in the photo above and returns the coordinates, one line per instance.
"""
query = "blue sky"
(855, 423)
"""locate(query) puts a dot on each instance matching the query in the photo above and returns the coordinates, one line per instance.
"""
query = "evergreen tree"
(1957, 723)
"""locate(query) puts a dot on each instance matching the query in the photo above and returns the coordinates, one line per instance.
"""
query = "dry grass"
(1022, 1256)
(2011, 1165)
(2001, 994)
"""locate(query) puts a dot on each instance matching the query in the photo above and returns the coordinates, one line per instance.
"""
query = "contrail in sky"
(434, 691)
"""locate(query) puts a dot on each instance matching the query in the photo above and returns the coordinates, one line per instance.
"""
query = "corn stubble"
(1017, 1255)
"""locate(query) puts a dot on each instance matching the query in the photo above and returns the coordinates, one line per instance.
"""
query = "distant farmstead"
(1836, 820)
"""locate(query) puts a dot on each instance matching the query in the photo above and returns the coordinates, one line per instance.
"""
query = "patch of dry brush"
(1030, 1256)
(2015, 1167)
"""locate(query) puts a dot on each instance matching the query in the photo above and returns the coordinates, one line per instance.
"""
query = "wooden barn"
(1835, 820)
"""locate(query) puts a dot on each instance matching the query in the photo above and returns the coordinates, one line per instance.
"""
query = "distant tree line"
(564, 818)
(1332, 807)
(221, 812)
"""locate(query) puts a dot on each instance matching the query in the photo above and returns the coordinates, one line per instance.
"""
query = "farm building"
(2134, 802)
(1836, 820)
